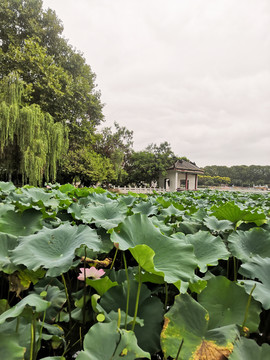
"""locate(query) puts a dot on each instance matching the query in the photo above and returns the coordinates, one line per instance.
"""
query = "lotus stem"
(115, 254)
(40, 332)
(180, 347)
(234, 269)
(33, 338)
(84, 287)
(247, 307)
(119, 318)
(67, 297)
(137, 300)
(166, 296)
(128, 289)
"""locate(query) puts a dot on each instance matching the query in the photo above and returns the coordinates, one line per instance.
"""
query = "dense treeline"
(241, 175)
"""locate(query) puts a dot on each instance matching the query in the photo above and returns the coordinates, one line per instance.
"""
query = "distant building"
(183, 175)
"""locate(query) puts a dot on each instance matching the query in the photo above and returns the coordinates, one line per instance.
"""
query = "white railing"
(138, 190)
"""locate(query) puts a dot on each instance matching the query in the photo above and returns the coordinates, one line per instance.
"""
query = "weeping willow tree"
(31, 143)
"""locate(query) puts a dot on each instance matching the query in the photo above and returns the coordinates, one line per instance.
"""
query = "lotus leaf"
(258, 268)
(106, 341)
(146, 208)
(32, 300)
(156, 253)
(187, 320)
(54, 249)
(101, 285)
(229, 211)
(10, 348)
(246, 244)
(226, 303)
(216, 225)
(7, 242)
(7, 186)
(106, 216)
(208, 249)
(21, 224)
(150, 310)
(248, 349)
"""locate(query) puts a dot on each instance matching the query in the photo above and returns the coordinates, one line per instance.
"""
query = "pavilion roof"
(186, 166)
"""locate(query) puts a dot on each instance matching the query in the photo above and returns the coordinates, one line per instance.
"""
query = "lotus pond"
(88, 274)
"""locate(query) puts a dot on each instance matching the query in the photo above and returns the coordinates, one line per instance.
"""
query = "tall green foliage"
(31, 143)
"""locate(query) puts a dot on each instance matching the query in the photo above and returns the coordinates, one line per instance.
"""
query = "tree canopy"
(59, 91)
(31, 143)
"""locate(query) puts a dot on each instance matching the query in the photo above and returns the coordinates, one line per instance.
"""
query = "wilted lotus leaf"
(54, 249)
(187, 321)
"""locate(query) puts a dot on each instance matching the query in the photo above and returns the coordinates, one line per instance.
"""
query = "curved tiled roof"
(183, 165)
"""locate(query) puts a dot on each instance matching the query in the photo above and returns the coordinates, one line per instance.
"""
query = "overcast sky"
(195, 73)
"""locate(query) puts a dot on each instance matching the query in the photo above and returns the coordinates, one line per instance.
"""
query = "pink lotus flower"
(92, 272)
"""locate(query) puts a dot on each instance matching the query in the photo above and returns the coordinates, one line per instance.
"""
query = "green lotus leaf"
(106, 341)
(258, 268)
(7, 186)
(208, 249)
(33, 300)
(150, 310)
(54, 249)
(67, 188)
(56, 298)
(10, 348)
(21, 224)
(255, 217)
(187, 321)
(189, 227)
(7, 242)
(171, 211)
(3, 305)
(244, 245)
(156, 253)
(214, 224)
(106, 216)
(197, 285)
(101, 285)
(229, 211)
(53, 358)
(146, 208)
(248, 349)
(226, 303)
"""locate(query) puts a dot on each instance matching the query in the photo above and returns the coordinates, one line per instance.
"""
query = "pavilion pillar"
(196, 181)
(186, 181)
(176, 181)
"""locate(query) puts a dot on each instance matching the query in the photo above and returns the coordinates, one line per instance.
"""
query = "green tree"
(32, 44)
(60, 83)
(116, 144)
(31, 143)
(145, 166)
(87, 166)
